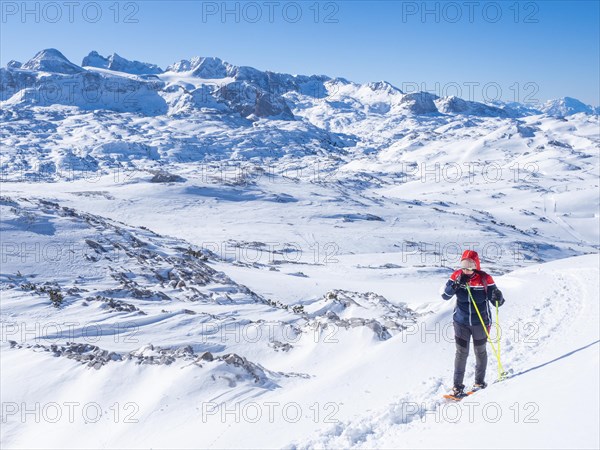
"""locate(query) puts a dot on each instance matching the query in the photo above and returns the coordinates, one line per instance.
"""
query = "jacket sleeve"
(449, 290)
(491, 287)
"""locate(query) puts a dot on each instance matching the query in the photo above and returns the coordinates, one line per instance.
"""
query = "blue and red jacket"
(482, 288)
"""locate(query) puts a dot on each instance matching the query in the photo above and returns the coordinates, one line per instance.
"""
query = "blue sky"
(524, 51)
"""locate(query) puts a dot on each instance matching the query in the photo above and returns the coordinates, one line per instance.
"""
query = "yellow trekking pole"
(501, 373)
(498, 332)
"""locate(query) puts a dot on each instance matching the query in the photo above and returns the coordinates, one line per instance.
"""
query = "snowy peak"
(419, 102)
(135, 67)
(516, 109)
(94, 59)
(120, 64)
(204, 67)
(183, 65)
(246, 90)
(51, 60)
(456, 105)
(211, 68)
(384, 86)
(566, 106)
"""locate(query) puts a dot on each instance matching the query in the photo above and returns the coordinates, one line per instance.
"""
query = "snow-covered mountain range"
(50, 78)
(182, 242)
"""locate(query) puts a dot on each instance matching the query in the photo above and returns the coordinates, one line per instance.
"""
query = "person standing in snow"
(467, 323)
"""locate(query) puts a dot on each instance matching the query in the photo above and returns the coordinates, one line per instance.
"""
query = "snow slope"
(377, 386)
(550, 343)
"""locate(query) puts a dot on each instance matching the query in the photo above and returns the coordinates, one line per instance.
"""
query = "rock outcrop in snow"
(347, 309)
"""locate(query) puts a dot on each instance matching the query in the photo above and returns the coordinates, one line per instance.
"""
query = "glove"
(460, 282)
(463, 280)
(497, 297)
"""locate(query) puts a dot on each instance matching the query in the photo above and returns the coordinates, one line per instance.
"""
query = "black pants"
(462, 336)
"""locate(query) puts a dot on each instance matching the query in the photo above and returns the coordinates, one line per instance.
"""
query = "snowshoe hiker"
(466, 282)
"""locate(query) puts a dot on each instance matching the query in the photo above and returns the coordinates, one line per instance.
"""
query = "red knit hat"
(470, 260)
